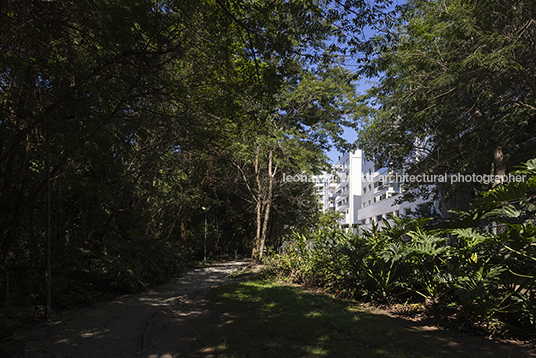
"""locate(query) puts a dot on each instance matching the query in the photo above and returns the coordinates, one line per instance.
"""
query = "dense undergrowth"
(84, 276)
(459, 270)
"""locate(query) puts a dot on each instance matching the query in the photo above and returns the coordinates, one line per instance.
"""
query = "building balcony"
(341, 168)
(342, 196)
(342, 185)
(383, 188)
(381, 171)
(343, 207)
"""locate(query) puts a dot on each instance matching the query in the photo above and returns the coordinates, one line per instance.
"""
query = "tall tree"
(138, 104)
(307, 118)
(457, 91)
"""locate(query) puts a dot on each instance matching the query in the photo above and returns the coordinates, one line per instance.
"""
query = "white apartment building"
(325, 185)
(349, 189)
(380, 194)
(367, 195)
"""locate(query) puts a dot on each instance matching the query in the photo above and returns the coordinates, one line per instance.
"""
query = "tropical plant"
(496, 270)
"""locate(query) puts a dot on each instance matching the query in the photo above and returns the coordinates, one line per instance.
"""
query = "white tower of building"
(349, 189)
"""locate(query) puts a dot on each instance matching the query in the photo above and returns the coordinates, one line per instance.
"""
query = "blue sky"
(350, 135)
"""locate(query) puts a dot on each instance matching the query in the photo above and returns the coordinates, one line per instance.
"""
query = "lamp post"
(48, 278)
(205, 248)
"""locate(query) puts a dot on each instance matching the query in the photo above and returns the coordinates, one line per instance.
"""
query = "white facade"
(325, 185)
(366, 195)
(349, 189)
(381, 210)
(378, 184)
(380, 192)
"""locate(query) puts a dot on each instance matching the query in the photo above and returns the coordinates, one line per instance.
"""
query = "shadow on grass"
(263, 319)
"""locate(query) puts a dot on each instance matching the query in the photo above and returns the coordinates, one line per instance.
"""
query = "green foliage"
(144, 109)
(454, 93)
(485, 266)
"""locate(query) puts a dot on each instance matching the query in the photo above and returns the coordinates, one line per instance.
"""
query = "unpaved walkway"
(170, 321)
(125, 327)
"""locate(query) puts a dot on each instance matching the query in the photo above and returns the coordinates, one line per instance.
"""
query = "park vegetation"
(126, 125)
(477, 270)
(455, 94)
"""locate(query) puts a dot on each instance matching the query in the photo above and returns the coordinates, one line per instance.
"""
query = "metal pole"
(48, 276)
(205, 251)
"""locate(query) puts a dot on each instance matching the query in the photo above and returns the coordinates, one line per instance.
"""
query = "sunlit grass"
(265, 319)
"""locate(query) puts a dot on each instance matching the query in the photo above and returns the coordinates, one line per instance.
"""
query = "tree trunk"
(256, 246)
(268, 202)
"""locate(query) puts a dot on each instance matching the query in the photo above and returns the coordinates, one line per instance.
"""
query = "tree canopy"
(457, 92)
(147, 111)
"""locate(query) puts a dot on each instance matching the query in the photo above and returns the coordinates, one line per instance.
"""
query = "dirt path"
(125, 327)
(169, 321)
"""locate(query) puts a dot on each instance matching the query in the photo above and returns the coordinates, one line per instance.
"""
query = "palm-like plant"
(496, 271)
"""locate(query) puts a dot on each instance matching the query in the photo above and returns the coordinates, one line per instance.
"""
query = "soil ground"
(164, 323)
(124, 327)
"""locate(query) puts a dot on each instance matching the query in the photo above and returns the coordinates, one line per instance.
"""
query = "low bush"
(459, 267)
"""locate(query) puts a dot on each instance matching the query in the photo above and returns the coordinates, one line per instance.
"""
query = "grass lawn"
(255, 318)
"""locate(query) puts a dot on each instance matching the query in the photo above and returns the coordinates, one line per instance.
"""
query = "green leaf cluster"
(456, 91)
(143, 112)
(479, 266)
